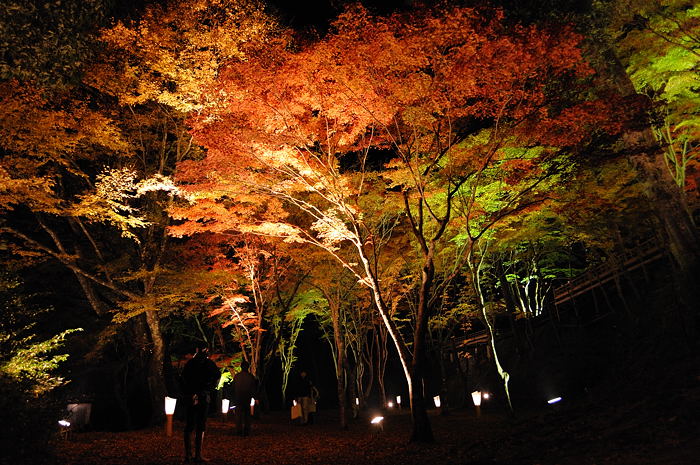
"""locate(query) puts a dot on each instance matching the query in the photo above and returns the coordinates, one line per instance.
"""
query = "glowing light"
(554, 401)
(377, 420)
(398, 400)
(476, 398)
(436, 399)
(357, 401)
(169, 411)
(486, 396)
(294, 403)
(390, 404)
(170, 405)
(224, 405)
(252, 401)
(64, 423)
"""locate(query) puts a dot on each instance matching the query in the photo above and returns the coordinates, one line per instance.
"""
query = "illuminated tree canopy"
(204, 171)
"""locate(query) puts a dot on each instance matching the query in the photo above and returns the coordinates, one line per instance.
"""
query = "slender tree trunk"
(476, 278)
(444, 391)
(510, 305)
(353, 388)
(422, 432)
(156, 364)
(340, 359)
(364, 388)
(382, 355)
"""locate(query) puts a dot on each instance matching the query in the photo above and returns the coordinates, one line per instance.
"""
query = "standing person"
(306, 397)
(200, 377)
(244, 388)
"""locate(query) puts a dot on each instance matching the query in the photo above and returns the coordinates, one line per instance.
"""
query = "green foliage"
(226, 378)
(288, 327)
(678, 153)
(661, 47)
(307, 302)
(655, 71)
(29, 362)
(33, 363)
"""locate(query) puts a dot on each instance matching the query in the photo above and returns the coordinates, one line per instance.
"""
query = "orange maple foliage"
(445, 91)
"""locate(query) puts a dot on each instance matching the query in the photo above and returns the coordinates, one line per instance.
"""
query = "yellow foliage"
(176, 51)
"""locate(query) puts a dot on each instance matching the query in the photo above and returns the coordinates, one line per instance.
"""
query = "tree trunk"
(364, 387)
(156, 374)
(340, 362)
(382, 355)
(476, 281)
(353, 388)
(422, 432)
(510, 306)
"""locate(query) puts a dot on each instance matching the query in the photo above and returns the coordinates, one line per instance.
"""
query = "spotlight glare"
(554, 401)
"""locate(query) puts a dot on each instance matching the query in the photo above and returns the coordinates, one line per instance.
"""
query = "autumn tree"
(437, 93)
(60, 205)
(337, 287)
(648, 52)
(156, 68)
(258, 294)
(88, 162)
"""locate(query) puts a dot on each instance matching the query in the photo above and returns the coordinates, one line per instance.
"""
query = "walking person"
(244, 388)
(306, 397)
(200, 377)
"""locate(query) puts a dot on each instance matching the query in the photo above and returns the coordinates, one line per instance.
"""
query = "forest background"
(387, 179)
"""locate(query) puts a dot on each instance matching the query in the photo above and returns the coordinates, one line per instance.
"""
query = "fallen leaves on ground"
(634, 434)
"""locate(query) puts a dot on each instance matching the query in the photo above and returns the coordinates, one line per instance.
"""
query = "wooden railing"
(612, 268)
(617, 264)
(474, 338)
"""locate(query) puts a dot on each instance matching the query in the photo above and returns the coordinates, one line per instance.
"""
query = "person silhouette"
(244, 388)
(306, 397)
(200, 377)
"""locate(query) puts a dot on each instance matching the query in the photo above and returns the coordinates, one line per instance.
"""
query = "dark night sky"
(300, 14)
(305, 14)
(316, 15)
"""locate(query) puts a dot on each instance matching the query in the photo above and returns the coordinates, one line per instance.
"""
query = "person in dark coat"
(306, 397)
(200, 378)
(244, 388)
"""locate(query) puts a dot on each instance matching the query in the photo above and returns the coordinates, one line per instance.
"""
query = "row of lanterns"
(171, 402)
(477, 396)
